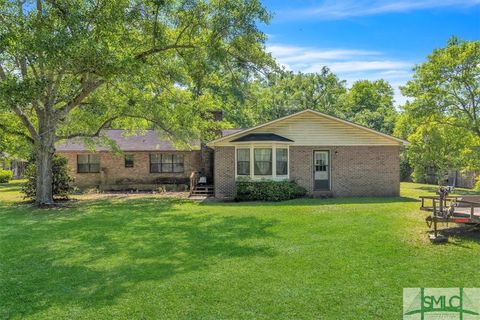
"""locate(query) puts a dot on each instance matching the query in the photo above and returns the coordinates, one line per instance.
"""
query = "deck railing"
(194, 176)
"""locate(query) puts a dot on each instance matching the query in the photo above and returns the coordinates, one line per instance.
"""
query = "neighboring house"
(462, 179)
(455, 178)
(326, 155)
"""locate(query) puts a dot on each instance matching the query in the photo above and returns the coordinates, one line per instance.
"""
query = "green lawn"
(157, 258)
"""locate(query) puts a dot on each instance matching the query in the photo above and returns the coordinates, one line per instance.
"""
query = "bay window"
(262, 162)
(282, 161)
(243, 162)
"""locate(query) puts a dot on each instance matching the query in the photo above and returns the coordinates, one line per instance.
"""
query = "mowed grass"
(157, 258)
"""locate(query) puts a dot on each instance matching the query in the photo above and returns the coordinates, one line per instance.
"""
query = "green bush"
(5, 176)
(477, 184)
(265, 190)
(62, 182)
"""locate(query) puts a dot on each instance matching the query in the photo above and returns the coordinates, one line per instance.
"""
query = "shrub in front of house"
(266, 190)
(62, 182)
(5, 176)
(477, 184)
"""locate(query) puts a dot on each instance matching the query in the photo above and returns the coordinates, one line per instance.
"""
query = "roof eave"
(262, 141)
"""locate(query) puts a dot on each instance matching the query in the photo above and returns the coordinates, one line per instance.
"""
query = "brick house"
(324, 154)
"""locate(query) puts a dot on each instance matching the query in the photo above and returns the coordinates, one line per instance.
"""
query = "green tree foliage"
(13, 140)
(5, 175)
(441, 122)
(446, 88)
(70, 68)
(282, 93)
(370, 103)
(434, 149)
(62, 183)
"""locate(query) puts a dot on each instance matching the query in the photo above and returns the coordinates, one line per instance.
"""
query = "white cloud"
(333, 10)
(349, 64)
(291, 54)
(354, 66)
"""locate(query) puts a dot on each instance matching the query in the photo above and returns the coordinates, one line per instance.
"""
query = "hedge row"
(268, 190)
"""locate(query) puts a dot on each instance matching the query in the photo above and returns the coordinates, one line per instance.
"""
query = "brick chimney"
(207, 153)
(217, 115)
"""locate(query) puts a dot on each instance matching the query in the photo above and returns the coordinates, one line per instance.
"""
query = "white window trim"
(274, 147)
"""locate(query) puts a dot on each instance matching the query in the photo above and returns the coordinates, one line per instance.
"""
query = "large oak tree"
(69, 68)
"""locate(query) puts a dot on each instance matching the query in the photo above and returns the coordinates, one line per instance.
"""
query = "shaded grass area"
(158, 258)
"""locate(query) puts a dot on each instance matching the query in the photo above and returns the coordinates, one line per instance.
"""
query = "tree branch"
(26, 122)
(155, 122)
(8, 130)
(108, 122)
(104, 125)
(55, 84)
(85, 92)
(152, 51)
(3, 75)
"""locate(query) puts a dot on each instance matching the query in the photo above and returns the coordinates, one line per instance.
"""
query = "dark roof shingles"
(148, 141)
(262, 137)
(227, 132)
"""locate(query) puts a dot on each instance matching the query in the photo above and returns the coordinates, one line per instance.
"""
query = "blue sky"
(366, 39)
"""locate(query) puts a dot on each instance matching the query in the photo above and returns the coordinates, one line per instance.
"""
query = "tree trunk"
(44, 158)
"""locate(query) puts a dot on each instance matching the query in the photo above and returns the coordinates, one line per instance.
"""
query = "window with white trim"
(262, 161)
(243, 162)
(282, 161)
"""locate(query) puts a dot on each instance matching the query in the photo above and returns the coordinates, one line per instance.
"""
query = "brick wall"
(355, 171)
(114, 171)
(224, 172)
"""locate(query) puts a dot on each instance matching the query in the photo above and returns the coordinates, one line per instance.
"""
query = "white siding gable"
(310, 128)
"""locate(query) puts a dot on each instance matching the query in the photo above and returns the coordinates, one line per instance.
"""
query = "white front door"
(321, 170)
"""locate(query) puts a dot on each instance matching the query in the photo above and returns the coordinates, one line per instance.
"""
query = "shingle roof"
(148, 140)
(227, 132)
(262, 137)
